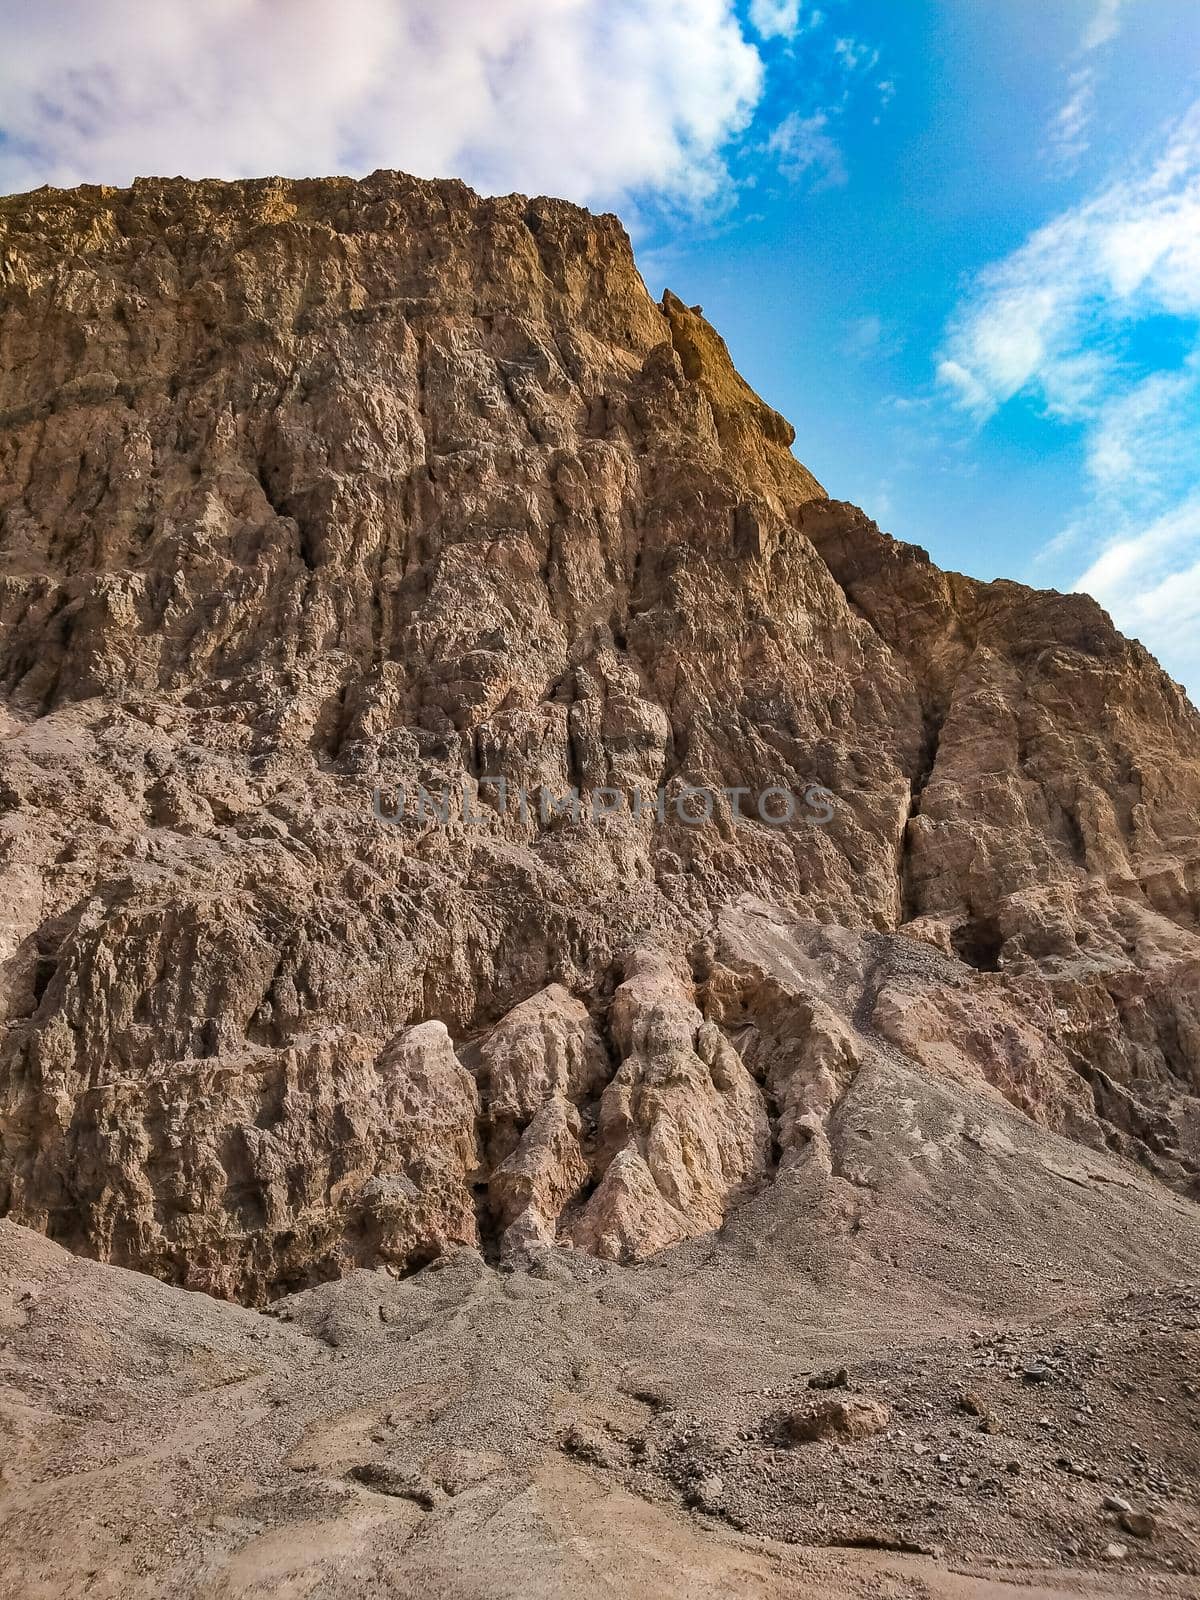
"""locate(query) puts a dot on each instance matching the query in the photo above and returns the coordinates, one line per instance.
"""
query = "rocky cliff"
(318, 495)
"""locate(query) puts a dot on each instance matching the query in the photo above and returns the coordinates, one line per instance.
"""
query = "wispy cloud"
(864, 336)
(1150, 581)
(1063, 321)
(854, 55)
(870, 338)
(776, 19)
(804, 147)
(1105, 24)
(595, 99)
(1037, 320)
(1070, 129)
(1139, 443)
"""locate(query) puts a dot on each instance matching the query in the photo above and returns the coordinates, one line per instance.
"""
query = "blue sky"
(884, 297)
(957, 243)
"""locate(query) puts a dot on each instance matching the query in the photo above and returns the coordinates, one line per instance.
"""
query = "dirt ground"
(586, 1429)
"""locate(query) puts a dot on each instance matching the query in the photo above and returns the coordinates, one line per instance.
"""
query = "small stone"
(1139, 1523)
(708, 1492)
(834, 1378)
(1113, 1502)
(1115, 1552)
(1037, 1372)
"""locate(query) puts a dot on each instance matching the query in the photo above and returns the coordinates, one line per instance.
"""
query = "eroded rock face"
(682, 1127)
(315, 492)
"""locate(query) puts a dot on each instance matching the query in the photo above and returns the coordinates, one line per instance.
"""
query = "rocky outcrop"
(346, 528)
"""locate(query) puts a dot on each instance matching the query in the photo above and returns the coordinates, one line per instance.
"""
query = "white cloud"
(1105, 24)
(971, 393)
(855, 56)
(804, 146)
(1069, 130)
(775, 19)
(864, 336)
(1062, 322)
(1137, 442)
(1150, 581)
(1143, 553)
(593, 99)
(1036, 319)
(872, 339)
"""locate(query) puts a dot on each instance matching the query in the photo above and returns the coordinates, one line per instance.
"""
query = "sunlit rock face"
(351, 531)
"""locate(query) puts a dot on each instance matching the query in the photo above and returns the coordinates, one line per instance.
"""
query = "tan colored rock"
(547, 1049)
(314, 494)
(843, 1417)
(546, 1170)
(682, 1126)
